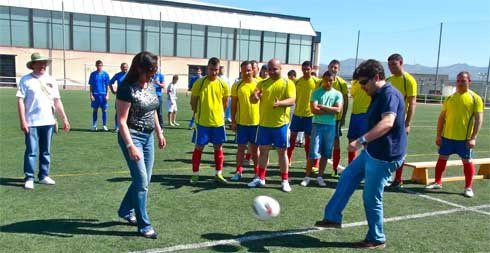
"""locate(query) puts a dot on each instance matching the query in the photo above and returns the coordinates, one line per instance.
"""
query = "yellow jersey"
(460, 110)
(406, 84)
(281, 89)
(341, 86)
(304, 88)
(210, 112)
(247, 113)
(361, 100)
(258, 79)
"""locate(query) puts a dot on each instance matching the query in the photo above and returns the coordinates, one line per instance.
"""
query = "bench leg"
(420, 175)
(484, 170)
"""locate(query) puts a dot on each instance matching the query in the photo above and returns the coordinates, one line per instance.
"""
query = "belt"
(142, 129)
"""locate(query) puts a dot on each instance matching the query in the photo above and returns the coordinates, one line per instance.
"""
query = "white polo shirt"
(38, 104)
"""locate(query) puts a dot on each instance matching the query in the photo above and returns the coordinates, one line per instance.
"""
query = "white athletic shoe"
(94, 128)
(285, 187)
(468, 192)
(105, 128)
(47, 180)
(321, 182)
(176, 124)
(305, 181)
(434, 186)
(29, 184)
(256, 182)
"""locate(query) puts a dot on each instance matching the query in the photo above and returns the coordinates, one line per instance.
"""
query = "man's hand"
(438, 141)
(277, 103)
(92, 98)
(24, 127)
(354, 146)
(471, 143)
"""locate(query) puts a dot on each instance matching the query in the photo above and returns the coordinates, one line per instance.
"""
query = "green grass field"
(79, 213)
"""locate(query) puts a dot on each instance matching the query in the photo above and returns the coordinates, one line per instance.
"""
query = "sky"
(410, 28)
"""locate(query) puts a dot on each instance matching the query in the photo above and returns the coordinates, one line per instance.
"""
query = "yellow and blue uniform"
(302, 116)
(358, 121)
(459, 121)
(274, 121)
(247, 115)
(340, 85)
(210, 112)
(406, 84)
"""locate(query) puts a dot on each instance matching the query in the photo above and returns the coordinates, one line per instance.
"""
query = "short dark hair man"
(384, 152)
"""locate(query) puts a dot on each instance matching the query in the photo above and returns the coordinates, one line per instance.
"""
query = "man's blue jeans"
(134, 202)
(375, 174)
(38, 140)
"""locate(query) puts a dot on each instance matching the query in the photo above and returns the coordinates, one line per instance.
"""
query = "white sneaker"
(256, 182)
(171, 124)
(94, 128)
(105, 128)
(434, 186)
(47, 180)
(285, 187)
(305, 181)
(176, 124)
(320, 181)
(29, 184)
(468, 192)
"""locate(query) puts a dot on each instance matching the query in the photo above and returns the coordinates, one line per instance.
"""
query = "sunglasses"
(364, 82)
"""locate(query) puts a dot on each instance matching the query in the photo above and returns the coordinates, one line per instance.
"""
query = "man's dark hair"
(98, 62)
(327, 73)
(122, 64)
(213, 61)
(334, 61)
(371, 68)
(292, 73)
(395, 57)
(355, 75)
(464, 73)
(254, 62)
(264, 67)
(306, 64)
(245, 63)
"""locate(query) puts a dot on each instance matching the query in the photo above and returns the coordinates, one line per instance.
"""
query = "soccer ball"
(265, 207)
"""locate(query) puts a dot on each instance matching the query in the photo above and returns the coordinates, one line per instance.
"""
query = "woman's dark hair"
(145, 61)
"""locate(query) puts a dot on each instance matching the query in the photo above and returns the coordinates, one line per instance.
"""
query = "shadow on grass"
(15, 182)
(253, 242)
(420, 190)
(65, 227)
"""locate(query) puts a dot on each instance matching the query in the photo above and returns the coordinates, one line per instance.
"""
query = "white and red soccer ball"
(265, 207)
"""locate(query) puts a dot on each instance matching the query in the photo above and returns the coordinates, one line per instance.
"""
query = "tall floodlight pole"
(357, 47)
(63, 41)
(438, 55)
(488, 70)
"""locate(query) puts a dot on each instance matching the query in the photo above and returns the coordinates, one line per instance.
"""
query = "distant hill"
(347, 67)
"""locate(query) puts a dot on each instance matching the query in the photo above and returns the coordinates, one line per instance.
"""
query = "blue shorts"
(301, 124)
(99, 101)
(449, 147)
(338, 130)
(246, 134)
(358, 126)
(322, 139)
(203, 135)
(277, 136)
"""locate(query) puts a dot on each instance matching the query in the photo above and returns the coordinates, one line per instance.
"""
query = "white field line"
(244, 239)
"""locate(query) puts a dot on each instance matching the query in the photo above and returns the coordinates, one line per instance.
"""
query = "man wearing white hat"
(37, 99)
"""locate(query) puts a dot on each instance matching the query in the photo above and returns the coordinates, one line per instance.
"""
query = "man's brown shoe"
(327, 224)
(369, 245)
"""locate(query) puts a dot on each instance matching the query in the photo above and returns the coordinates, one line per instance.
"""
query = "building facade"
(185, 34)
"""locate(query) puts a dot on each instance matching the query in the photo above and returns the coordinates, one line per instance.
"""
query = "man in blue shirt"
(98, 81)
(159, 83)
(118, 77)
(384, 151)
(192, 80)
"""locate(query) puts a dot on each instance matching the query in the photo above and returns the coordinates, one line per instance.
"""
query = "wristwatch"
(362, 140)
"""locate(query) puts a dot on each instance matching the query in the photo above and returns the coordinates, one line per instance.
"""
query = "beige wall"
(80, 64)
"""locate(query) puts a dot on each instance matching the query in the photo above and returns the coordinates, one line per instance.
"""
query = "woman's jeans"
(134, 202)
(38, 140)
(375, 174)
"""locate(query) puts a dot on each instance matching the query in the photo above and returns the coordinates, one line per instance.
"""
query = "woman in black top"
(136, 107)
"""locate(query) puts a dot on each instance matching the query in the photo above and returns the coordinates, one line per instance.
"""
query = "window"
(133, 35)
(220, 43)
(98, 33)
(81, 32)
(306, 43)
(5, 38)
(57, 30)
(197, 41)
(20, 24)
(168, 36)
(41, 28)
(150, 37)
(249, 44)
(299, 48)
(184, 40)
(117, 34)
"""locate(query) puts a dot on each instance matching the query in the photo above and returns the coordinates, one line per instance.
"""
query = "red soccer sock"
(316, 163)
(284, 175)
(196, 159)
(262, 173)
(248, 156)
(256, 170)
(292, 143)
(398, 174)
(336, 159)
(440, 167)
(219, 159)
(307, 146)
(239, 169)
(469, 171)
(351, 156)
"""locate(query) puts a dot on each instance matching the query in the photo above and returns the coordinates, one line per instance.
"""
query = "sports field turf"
(78, 214)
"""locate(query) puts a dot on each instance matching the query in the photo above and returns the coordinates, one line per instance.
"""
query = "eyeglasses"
(364, 82)
(152, 69)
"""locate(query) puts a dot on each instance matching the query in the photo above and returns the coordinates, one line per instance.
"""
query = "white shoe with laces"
(321, 182)
(47, 180)
(29, 184)
(305, 181)
(468, 192)
(105, 128)
(256, 182)
(434, 186)
(285, 187)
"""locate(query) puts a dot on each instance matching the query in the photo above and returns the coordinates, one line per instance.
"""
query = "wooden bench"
(420, 170)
